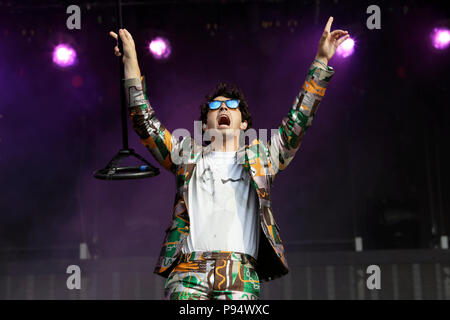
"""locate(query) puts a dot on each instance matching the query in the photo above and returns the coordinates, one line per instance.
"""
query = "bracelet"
(323, 64)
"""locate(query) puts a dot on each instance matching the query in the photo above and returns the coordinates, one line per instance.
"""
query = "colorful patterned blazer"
(262, 161)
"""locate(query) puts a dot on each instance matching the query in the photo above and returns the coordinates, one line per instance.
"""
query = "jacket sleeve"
(155, 137)
(285, 142)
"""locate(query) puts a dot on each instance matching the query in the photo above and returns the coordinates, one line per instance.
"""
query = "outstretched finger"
(122, 35)
(328, 25)
(128, 34)
(113, 34)
(342, 40)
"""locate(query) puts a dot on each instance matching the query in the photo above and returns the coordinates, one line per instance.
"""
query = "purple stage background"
(377, 150)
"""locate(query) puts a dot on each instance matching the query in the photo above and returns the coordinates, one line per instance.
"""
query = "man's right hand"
(131, 66)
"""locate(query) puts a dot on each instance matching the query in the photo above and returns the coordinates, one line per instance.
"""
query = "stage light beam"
(160, 48)
(346, 48)
(64, 55)
(441, 38)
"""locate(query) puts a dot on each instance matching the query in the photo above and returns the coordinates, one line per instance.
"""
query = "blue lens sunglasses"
(232, 104)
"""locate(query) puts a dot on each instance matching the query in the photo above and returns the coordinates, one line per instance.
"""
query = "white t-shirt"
(222, 207)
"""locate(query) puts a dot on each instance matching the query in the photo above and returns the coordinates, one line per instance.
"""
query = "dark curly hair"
(227, 91)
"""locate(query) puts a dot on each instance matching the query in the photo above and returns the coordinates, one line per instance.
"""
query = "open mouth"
(223, 120)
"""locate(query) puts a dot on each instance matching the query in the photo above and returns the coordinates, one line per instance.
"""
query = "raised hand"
(129, 58)
(329, 42)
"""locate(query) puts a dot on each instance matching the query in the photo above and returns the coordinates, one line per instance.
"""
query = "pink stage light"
(441, 38)
(64, 55)
(160, 48)
(346, 48)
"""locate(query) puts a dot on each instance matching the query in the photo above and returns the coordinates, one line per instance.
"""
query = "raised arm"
(287, 139)
(155, 137)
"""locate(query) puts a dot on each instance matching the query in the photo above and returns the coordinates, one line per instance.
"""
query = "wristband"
(323, 64)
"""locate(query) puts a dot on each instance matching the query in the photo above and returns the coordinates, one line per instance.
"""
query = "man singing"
(223, 239)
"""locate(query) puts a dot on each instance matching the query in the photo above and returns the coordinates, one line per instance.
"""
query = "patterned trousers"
(213, 275)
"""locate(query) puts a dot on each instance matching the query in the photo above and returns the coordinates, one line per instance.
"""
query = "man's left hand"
(329, 42)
